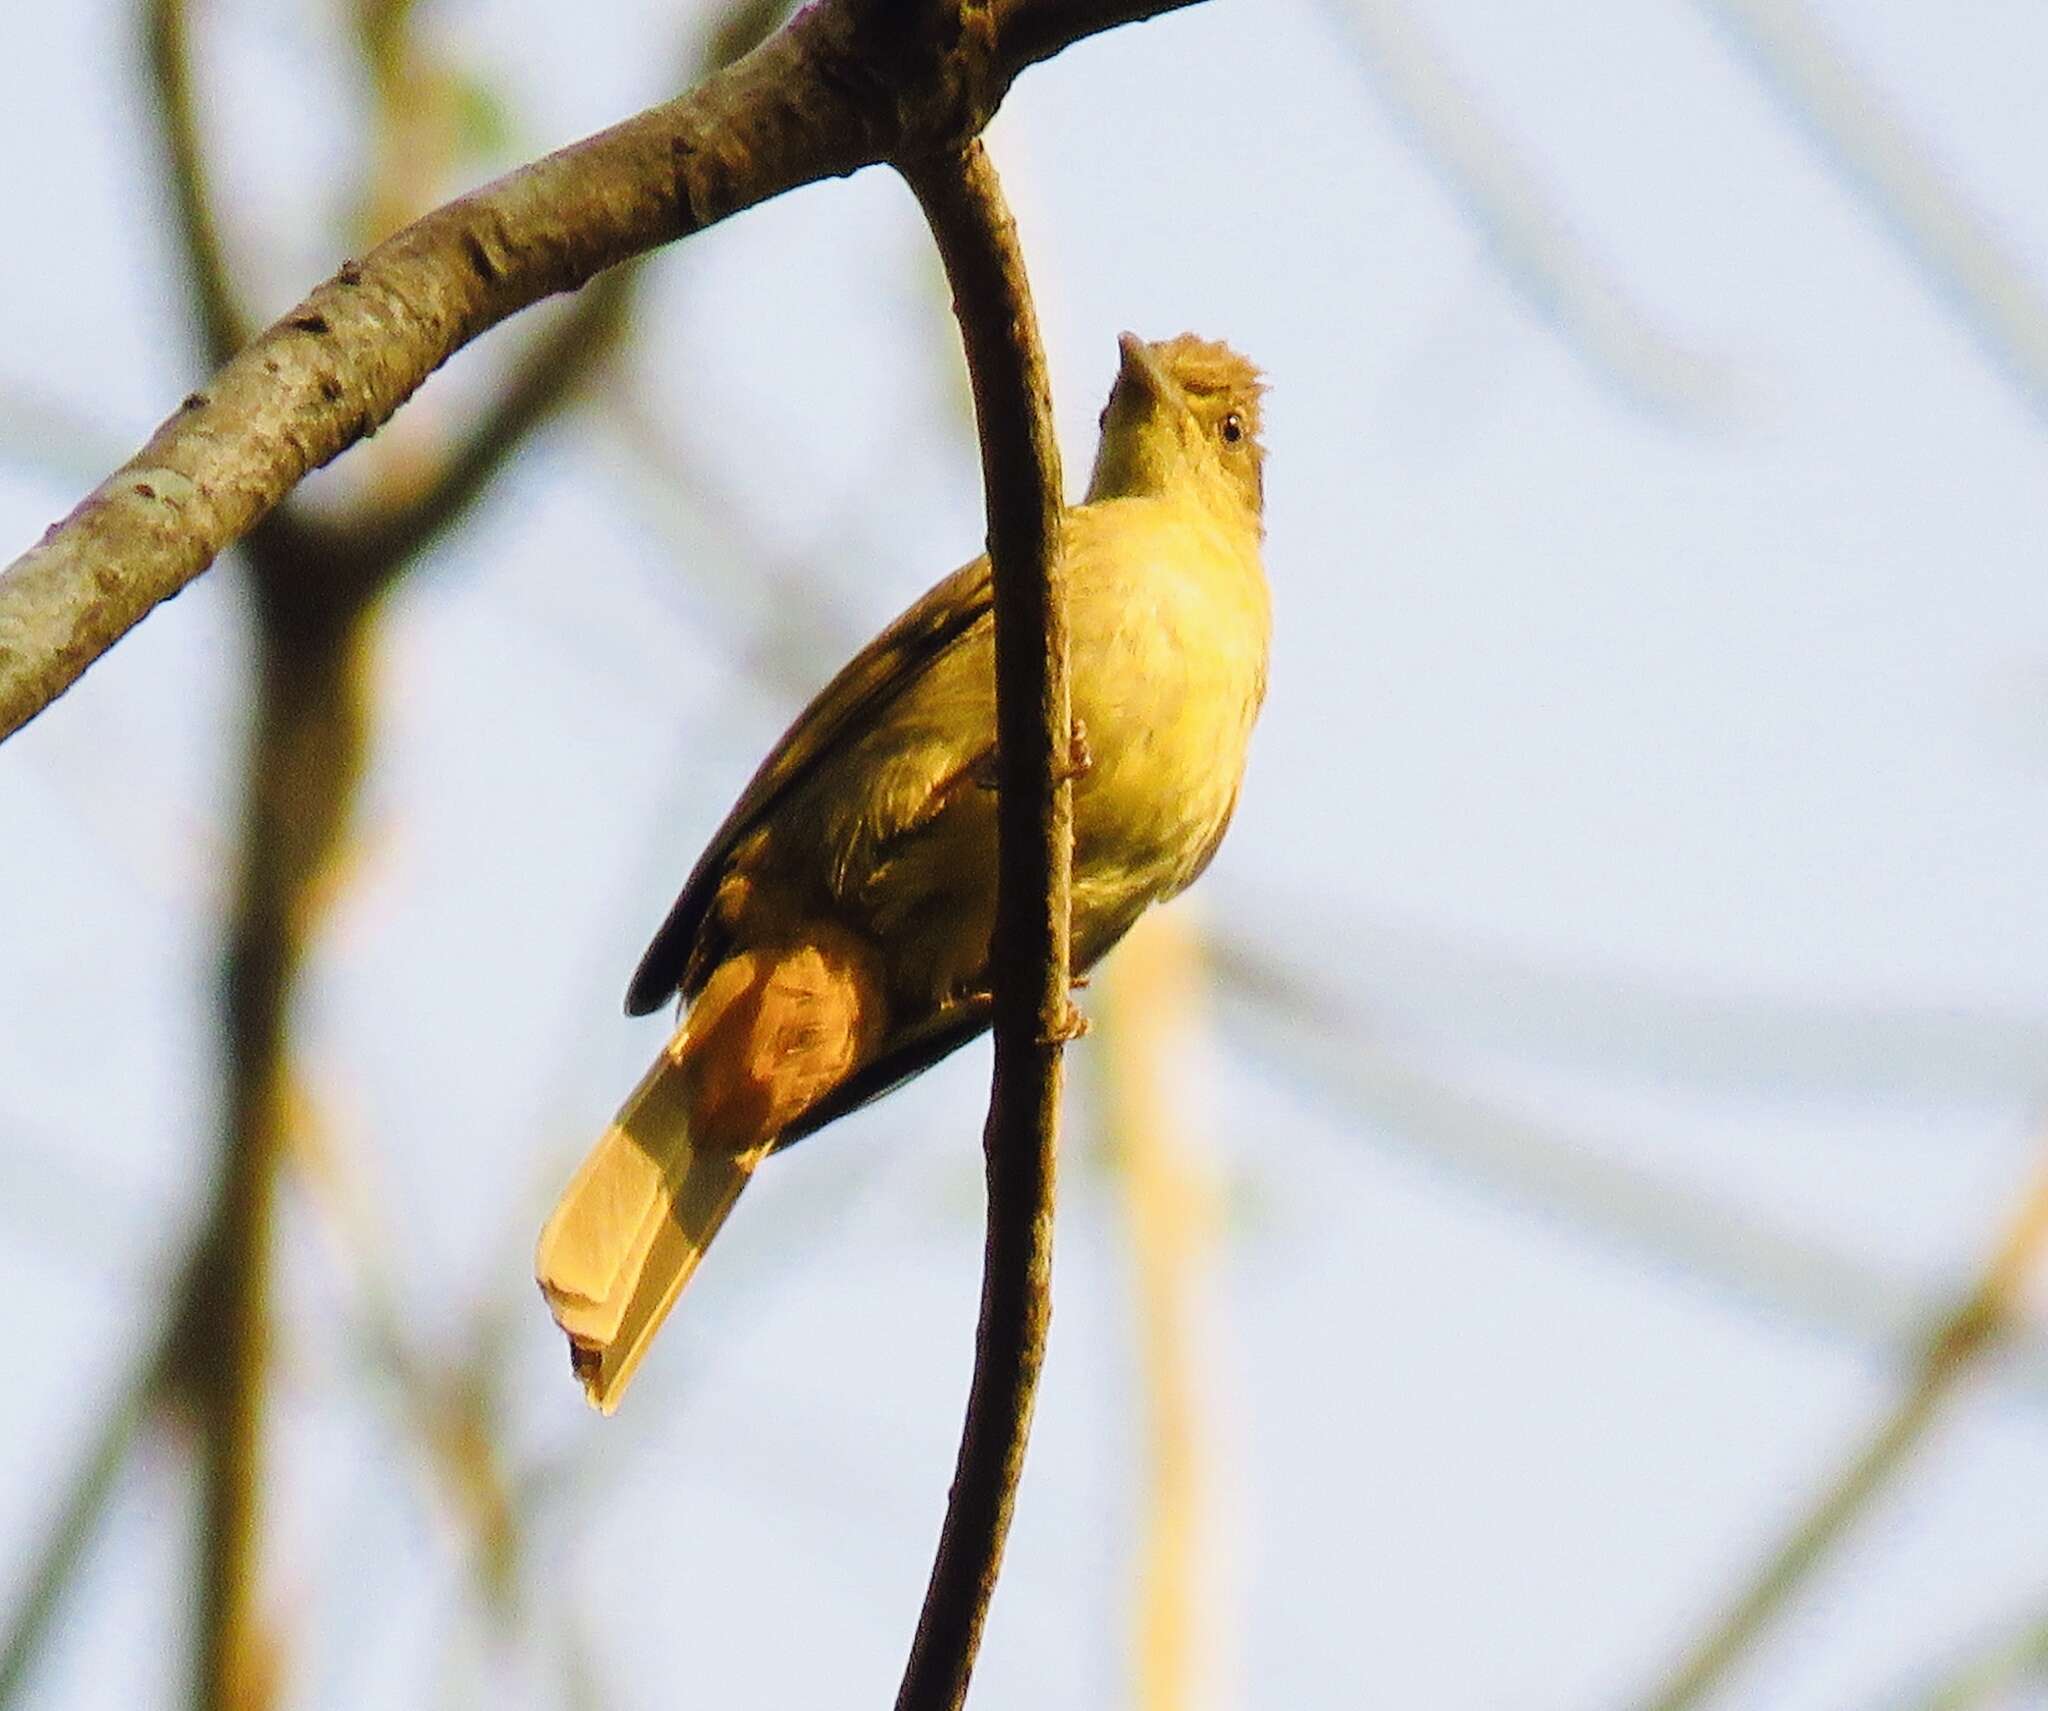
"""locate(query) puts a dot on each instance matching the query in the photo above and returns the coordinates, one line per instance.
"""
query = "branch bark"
(847, 84)
(1028, 952)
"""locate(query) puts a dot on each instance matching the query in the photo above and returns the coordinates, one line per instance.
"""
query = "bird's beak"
(1142, 370)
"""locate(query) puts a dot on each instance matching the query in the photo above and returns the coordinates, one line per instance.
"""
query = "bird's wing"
(846, 706)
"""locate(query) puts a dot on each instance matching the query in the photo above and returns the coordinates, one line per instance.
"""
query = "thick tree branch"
(848, 83)
(1028, 953)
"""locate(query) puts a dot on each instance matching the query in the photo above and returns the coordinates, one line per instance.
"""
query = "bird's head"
(1183, 417)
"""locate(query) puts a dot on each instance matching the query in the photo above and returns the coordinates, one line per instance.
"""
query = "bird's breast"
(1170, 625)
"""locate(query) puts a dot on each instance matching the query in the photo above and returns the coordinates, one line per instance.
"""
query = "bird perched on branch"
(833, 940)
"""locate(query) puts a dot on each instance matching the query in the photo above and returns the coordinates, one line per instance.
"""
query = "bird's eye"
(1232, 428)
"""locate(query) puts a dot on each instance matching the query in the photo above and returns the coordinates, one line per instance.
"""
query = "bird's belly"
(1163, 774)
(1167, 712)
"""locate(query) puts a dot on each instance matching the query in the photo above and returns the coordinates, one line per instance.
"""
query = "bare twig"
(1028, 951)
(1957, 246)
(846, 84)
(1976, 1327)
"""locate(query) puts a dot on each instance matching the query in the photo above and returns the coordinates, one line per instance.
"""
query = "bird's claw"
(1080, 758)
(1077, 762)
(1072, 1026)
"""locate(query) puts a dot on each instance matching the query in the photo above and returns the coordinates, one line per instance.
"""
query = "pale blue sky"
(1675, 779)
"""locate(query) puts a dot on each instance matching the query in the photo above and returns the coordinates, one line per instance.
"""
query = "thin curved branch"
(1028, 952)
(847, 84)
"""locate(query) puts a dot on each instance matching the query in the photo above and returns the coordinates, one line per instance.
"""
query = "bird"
(833, 939)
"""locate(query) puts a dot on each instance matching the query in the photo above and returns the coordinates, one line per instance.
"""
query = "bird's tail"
(769, 1034)
(632, 1225)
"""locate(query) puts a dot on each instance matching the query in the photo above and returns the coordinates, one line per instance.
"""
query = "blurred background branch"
(1976, 1328)
(1535, 245)
(219, 321)
(1152, 1003)
(1315, 1035)
(71, 1530)
(1960, 249)
(1994, 1674)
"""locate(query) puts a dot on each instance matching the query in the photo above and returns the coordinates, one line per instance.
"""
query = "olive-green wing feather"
(847, 705)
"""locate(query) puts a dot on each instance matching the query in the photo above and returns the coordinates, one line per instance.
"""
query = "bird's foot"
(1072, 1027)
(1080, 758)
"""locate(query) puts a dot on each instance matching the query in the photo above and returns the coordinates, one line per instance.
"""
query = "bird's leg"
(1076, 763)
